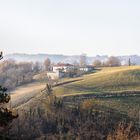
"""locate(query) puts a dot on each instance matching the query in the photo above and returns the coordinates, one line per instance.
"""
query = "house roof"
(88, 66)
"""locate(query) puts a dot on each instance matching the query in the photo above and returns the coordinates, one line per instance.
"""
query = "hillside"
(115, 79)
(106, 81)
(48, 116)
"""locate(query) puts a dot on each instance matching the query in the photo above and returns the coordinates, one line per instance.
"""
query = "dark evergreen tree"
(6, 115)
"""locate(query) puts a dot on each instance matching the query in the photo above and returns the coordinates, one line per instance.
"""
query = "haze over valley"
(56, 58)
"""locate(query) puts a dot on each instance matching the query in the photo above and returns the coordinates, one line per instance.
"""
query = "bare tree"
(36, 67)
(47, 64)
(13, 74)
(113, 61)
(97, 63)
(83, 60)
(75, 64)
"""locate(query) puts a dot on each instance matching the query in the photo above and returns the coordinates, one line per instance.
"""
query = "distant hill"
(55, 58)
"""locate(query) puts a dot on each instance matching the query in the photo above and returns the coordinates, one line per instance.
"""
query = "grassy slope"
(107, 80)
(24, 93)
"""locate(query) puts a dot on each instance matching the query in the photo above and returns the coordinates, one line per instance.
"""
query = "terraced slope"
(128, 106)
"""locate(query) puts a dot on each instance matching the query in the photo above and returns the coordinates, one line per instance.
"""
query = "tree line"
(14, 74)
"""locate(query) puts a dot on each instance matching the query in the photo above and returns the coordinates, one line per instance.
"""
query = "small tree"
(83, 60)
(47, 64)
(113, 61)
(6, 115)
(97, 63)
(75, 64)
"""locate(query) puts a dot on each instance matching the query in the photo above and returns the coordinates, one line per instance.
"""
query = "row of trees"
(111, 62)
(14, 74)
(82, 63)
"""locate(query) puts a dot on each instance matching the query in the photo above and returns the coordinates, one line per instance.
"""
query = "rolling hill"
(107, 80)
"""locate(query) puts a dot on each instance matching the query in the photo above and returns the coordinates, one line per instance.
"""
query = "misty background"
(70, 27)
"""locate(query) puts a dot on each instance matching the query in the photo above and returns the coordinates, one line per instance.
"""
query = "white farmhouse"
(63, 67)
(55, 75)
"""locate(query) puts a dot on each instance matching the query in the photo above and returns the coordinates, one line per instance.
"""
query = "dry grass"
(24, 93)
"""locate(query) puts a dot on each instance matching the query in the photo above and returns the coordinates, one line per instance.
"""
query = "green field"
(115, 79)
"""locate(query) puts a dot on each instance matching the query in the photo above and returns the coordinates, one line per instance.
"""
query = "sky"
(93, 27)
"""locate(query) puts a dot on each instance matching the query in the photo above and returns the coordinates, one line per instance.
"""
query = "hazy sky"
(70, 26)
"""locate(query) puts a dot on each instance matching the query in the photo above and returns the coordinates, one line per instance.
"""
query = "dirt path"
(24, 93)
